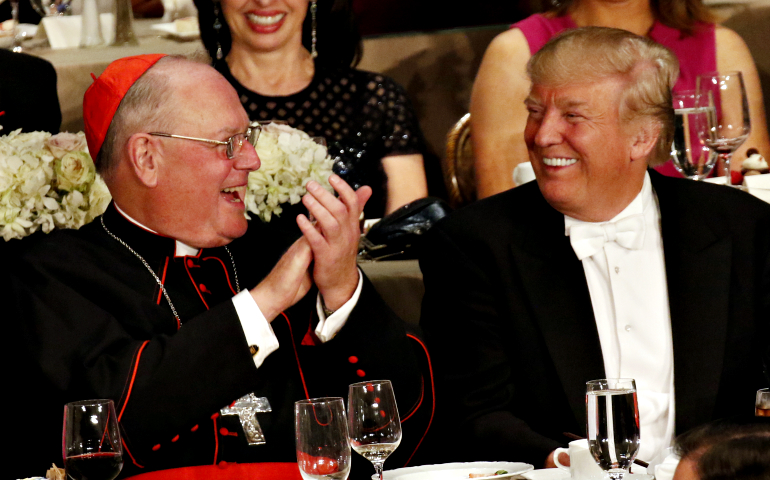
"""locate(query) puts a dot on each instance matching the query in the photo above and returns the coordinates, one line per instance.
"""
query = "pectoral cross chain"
(246, 408)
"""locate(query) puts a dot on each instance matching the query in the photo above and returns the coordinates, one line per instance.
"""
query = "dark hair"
(338, 39)
(678, 14)
(728, 451)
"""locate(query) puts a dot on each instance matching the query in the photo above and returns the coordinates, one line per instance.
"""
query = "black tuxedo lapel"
(555, 284)
(698, 263)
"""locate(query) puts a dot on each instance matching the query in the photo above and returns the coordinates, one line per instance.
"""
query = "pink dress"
(697, 53)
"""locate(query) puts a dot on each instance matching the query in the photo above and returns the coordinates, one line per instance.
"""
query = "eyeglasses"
(234, 144)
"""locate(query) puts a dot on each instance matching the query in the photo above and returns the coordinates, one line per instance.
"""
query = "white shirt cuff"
(255, 326)
(328, 327)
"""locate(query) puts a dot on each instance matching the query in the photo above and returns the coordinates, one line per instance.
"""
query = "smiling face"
(265, 25)
(588, 164)
(200, 191)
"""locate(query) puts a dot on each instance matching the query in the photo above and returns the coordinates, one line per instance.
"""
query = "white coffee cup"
(582, 463)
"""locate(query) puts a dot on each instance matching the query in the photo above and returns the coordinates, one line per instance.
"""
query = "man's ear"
(644, 140)
(144, 158)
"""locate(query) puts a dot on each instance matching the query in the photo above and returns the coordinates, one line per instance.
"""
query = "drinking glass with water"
(613, 424)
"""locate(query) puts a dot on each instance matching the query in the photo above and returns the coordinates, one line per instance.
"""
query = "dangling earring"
(217, 28)
(313, 39)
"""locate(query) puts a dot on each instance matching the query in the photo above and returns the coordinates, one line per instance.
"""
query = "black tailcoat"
(508, 315)
(88, 320)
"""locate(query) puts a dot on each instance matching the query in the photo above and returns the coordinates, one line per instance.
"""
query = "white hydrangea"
(290, 158)
(47, 182)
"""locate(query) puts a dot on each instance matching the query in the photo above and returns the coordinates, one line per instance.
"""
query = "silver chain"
(157, 279)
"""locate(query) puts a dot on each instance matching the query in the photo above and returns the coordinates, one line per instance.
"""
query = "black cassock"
(86, 319)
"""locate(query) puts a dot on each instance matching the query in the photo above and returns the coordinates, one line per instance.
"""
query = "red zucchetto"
(103, 97)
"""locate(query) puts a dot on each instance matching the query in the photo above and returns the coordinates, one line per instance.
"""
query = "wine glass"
(321, 433)
(613, 424)
(729, 124)
(91, 443)
(691, 157)
(374, 424)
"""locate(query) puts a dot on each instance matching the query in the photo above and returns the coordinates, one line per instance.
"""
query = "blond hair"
(593, 53)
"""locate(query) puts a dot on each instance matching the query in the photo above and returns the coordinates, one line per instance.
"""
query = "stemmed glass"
(691, 157)
(374, 424)
(724, 95)
(16, 48)
(91, 443)
(613, 424)
(321, 433)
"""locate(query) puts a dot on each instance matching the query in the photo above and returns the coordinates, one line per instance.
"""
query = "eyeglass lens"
(253, 133)
(235, 143)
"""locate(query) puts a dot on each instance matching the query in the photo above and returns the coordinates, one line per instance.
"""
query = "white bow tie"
(588, 238)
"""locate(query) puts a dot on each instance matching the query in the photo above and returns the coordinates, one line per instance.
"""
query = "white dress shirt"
(255, 326)
(629, 296)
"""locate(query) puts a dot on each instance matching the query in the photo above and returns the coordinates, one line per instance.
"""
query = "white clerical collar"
(638, 205)
(181, 250)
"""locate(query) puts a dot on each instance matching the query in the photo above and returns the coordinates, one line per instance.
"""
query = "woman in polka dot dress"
(263, 47)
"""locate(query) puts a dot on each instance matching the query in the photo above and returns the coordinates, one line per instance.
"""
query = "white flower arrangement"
(47, 182)
(290, 158)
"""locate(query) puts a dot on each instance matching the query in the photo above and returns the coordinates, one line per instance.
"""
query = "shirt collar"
(181, 250)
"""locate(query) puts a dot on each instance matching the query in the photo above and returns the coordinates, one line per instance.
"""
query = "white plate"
(548, 474)
(458, 471)
(170, 30)
(559, 474)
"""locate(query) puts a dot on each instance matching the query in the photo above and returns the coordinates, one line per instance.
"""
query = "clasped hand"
(331, 243)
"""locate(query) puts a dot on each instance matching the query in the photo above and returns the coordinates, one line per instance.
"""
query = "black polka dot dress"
(363, 116)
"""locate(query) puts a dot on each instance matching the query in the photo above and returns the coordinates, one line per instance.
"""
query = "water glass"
(691, 157)
(613, 424)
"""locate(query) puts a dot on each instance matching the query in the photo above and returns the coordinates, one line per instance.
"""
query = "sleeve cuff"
(255, 327)
(328, 327)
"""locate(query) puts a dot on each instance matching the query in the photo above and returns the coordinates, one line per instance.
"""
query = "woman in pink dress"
(685, 26)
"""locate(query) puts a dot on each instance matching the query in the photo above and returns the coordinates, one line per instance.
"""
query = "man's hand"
(287, 282)
(563, 459)
(334, 238)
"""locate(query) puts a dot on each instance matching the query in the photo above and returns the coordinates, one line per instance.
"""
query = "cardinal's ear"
(145, 154)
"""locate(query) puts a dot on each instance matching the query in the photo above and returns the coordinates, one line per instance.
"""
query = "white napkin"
(523, 173)
(665, 470)
(759, 186)
(173, 9)
(717, 180)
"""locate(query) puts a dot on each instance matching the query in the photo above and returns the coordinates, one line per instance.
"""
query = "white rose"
(98, 198)
(75, 171)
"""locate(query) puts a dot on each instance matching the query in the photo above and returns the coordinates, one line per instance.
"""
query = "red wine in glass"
(94, 466)
(91, 447)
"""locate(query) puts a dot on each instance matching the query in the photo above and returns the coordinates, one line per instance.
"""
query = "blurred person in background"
(725, 451)
(293, 60)
(684, 26)
(28, 96)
